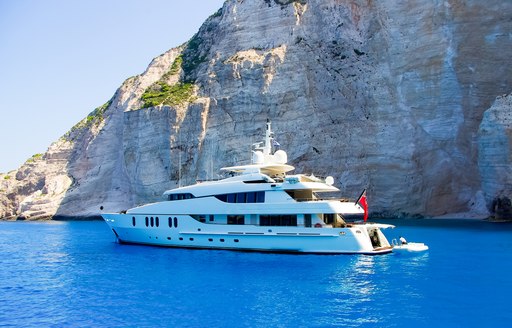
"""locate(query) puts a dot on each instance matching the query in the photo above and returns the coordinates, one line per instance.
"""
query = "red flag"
(364, 204)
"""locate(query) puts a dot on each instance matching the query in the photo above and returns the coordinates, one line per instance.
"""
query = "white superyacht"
(259, 208)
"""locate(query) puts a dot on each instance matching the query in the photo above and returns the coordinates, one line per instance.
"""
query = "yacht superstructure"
(259, 208)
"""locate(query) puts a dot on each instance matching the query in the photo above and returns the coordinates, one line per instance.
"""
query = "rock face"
(394, 96)
(495, 156)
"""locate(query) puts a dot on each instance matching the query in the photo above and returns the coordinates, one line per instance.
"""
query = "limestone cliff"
(388, 95)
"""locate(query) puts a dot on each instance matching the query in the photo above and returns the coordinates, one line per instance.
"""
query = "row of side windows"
(180, 196)
(264, 220)
(243, 197)
(149, 221)
(155, 221)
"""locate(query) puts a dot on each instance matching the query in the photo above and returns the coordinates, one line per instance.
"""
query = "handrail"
(343, 200)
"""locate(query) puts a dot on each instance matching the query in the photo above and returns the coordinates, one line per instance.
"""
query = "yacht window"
(260, 197)
(147, 221)
(307, 220)
(133, 221)
(157, 222)
(241, 197)
(200, 218)
(251, 197)
(170, 222)
(329, 218)
(211, 217)
(181, 196)
(175, 222)
(231, 198)
(152, 221)
(278, 220)
(236, 219)
(222, 198)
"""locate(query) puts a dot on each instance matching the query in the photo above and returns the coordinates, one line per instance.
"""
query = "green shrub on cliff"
(175, 67)
(34, 158)
(161, 93)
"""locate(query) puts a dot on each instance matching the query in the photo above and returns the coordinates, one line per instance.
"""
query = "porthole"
(175, 222)
(157, 221)
(181, 238)
(210, 239)
(222, 240)
(198, 229)
(168, 238)
(191, 239)
(147, 221)
(236, 240)
(152, 221)
(170, 222)
(133, 221)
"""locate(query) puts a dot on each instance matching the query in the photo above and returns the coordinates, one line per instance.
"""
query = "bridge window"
(180, 196)
(251, 197)
(243, 197)
(232, 198)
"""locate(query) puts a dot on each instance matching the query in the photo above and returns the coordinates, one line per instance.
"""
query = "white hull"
(191, 233)
(411, 247)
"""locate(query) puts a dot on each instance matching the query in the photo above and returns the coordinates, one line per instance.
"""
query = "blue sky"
(60, 59)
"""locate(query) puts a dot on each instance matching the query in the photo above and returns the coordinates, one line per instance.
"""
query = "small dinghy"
(408, 247)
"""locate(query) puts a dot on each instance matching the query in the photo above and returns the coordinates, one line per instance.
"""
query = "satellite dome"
(257, 157)
(280, 157)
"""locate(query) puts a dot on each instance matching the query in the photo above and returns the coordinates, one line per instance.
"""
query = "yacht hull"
(185, 232)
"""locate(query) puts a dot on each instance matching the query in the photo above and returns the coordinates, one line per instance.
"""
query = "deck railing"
(343, 200)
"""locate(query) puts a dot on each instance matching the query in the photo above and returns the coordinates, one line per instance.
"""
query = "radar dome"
(280, 157)
(329, 180)
(257, 157)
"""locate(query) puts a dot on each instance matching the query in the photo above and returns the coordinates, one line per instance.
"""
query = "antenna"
(267, 148)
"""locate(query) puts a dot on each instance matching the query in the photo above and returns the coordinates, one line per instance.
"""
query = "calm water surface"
(74, 274)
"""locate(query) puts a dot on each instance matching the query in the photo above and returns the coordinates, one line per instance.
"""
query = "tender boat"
(259, 208)
(408, 247)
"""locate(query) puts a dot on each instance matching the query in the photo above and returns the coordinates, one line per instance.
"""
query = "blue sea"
(74, 274)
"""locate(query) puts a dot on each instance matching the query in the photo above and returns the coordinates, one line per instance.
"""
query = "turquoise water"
(74, 274)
